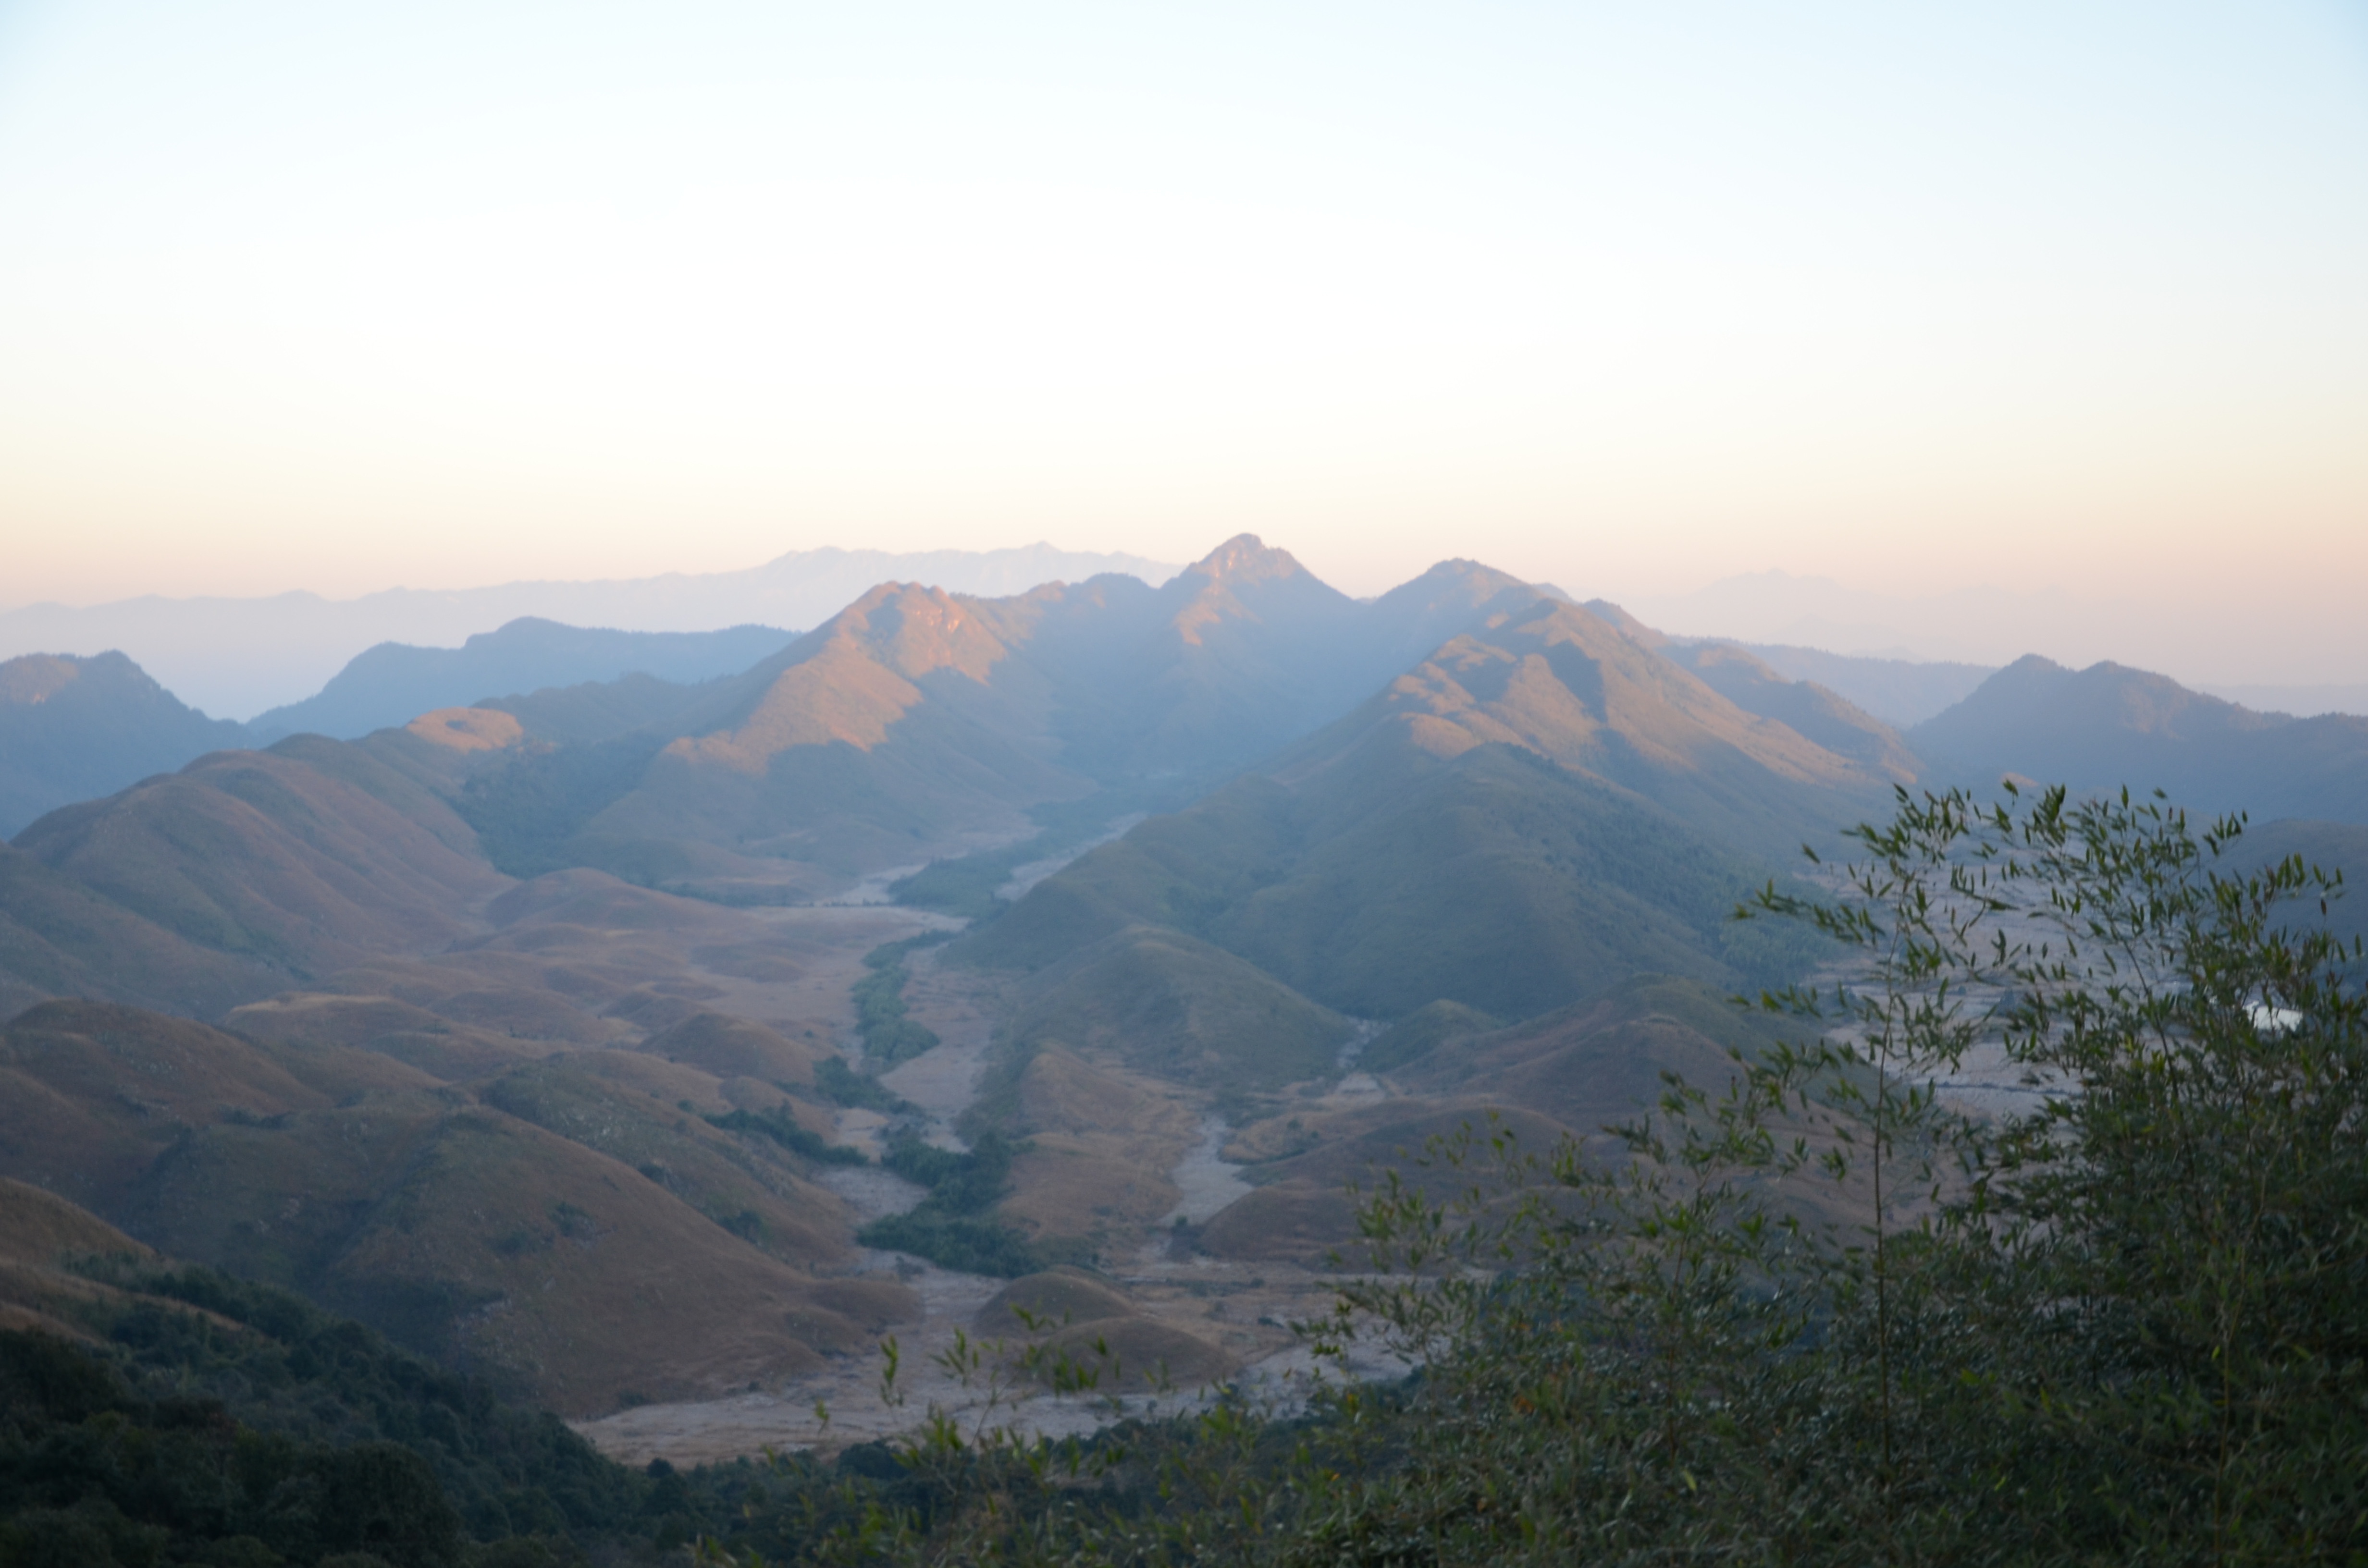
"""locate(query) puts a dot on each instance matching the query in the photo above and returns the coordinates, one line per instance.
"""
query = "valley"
(653, 1051)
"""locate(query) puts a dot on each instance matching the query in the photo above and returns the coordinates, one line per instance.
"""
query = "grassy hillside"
(59, 937)
(538, 1228)
(1177, 1006)
(268, 859)
(1495, 879)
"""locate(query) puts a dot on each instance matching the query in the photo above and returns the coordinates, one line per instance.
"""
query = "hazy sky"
(1628, 297)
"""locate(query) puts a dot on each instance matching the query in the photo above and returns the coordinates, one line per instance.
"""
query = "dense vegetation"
(889, 1037)
(783, 1128)
(257, 1429)
(950, 1227)
(1822, 1312)
(842, 1084)
(233, 1424)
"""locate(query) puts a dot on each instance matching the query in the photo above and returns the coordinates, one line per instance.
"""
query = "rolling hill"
(531, 1227)
(270, 860)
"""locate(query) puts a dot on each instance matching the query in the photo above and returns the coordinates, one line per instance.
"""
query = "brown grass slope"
(749, 1185)
(1180, 1008)
(902, 720)
(432, 1044)
(268, 860)
(96, 1092)
(495, 1246)
(59, 937)
(1491, 879)
(1573, 1071)
(1086, 1326)
(41, 1236)
(532, 1245)
(1574, 687)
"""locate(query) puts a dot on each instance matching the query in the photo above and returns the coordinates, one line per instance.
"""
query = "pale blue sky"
(1631, 298)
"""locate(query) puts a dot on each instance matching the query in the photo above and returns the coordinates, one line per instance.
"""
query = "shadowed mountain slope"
(1807, 708)
(1577, 1070)
(1529, 816)
(72, 729)
(1183, 1009)
(2110, 725)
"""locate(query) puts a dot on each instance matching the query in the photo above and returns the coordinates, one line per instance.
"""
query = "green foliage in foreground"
(272, 1432)
(950, 1226)
(1819, 1313)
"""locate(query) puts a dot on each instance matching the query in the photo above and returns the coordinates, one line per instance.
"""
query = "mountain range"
(393, 683)
(241, 656)
(544, 1031)
(2110, 725)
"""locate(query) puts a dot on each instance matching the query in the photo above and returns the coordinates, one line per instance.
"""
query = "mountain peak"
(1246, 558)
(914, 629)
(36, 677)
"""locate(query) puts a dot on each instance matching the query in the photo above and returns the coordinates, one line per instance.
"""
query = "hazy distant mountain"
(2304, 702)
(243, 656)
(2110, 725)
(1897, 691)
(72, 728)
(394, 682)
(916, 720)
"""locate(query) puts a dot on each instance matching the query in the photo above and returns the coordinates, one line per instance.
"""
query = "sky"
(2063, 298)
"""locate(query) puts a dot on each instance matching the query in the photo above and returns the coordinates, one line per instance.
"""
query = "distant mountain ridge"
(243, 656)
(72, 729)
(917, 721)
(1899, 692)
(2110, 725)
(393, 683)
